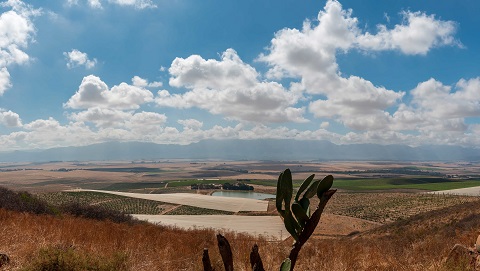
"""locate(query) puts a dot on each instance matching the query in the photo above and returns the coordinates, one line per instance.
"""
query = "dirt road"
(203, 201)
(471, 191)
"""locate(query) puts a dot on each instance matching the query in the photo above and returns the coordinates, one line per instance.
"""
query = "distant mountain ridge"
(261, 149)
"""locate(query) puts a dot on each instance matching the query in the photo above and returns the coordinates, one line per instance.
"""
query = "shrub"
(96, 212)
(69, 259)
(23, 202)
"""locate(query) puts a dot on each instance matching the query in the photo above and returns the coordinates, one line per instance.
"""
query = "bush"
(97, 213)
(26, 202)
(69, 259)
(23, 202)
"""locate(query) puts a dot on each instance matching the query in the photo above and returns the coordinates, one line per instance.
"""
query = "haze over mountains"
(277, 150)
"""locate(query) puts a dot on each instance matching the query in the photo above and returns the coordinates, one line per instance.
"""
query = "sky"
(79, 72)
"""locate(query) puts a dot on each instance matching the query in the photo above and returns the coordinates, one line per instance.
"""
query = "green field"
(421, 183)
(354, 184)
(180, 183)
(132, 186)
(127, 169)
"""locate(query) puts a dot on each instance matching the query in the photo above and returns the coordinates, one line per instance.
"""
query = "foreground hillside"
(43, 241)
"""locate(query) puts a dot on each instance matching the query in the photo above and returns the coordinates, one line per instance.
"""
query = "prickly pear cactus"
(286, 265)
(297, 216)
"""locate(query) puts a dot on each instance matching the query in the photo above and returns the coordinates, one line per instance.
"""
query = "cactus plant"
(297, 217)
(286, 265)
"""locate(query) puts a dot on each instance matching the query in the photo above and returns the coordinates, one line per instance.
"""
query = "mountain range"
(263, 149)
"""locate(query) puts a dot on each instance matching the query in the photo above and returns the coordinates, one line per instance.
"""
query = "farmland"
(178, 175)
(370, 197)
(379, 192)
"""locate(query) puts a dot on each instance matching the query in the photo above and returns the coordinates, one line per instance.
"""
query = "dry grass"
(418, 243)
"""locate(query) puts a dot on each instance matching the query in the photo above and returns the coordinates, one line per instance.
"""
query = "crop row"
(112, 202)
(388, 207)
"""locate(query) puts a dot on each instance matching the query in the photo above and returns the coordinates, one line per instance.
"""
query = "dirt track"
(471, 191)
(269, 226)
(203, 201)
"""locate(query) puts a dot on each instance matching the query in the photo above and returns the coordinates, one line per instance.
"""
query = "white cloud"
(196, 72)
(325, 125)
(72, 2)
(143, 122)
(440, 101)
(310, 55)
(150, 127)
(75, 58)
(436, 107)
(138, 4)
(16, 32)
(93, 92)
(97, 4)
(231, 88)
(102, 117)
(49, 133)
(434, 113)
(141, 82)
(417, 35)
(192, 124)
(45, 125)
(9, 118)
(112, 118)
(4, 80)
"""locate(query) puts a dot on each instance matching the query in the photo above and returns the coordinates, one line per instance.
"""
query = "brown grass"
(418, 243)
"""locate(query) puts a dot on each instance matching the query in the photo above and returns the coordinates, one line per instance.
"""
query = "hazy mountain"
(246, 150)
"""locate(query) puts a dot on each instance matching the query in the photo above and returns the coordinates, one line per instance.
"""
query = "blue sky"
(179, 71)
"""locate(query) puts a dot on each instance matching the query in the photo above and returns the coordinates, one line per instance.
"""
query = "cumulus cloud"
(358, 98)
(16, 32)
(231, 88)
(49, 124)
(138, 4)
(72, 2)
(310, 55)
(144, 121)
(192, 124)
(75, 58)
(93, 92)
(325, 125)
(436, 107)
(97, 4)
(104, 117)
(150, 127)
(417, 35)
(196, 72)
(9, 118)
(434, 113)
(141, 82)
(48, 133)
(444, 102)
(4, 80)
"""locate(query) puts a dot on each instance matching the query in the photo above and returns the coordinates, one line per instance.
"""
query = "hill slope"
(419, 243)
